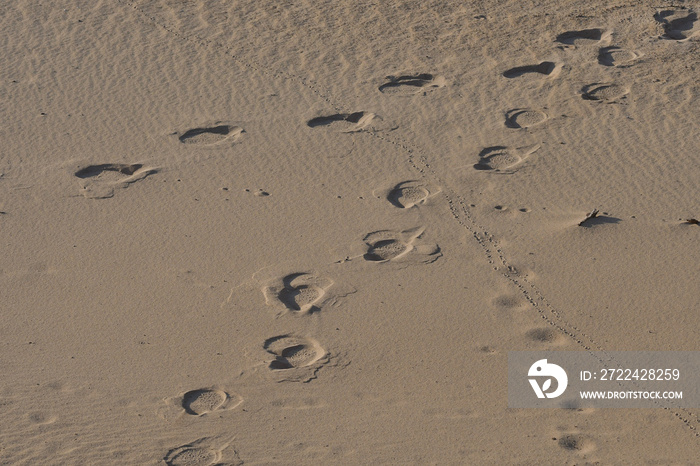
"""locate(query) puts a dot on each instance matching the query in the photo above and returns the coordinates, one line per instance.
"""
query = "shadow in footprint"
(499, 158)
(678, 24)
(327, 120)
(292, 352)
(96, 170)
(546, 68)
(570, 37)
(599, 220)
(101, 181)
(298, 297)
(352, 122)
(210, 135)
(412, 84)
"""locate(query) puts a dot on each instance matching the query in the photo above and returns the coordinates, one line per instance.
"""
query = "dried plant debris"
(589, 216)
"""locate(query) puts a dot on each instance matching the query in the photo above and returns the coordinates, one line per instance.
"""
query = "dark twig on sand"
(589, 216)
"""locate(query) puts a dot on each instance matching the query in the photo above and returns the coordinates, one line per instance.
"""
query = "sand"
(310, 232)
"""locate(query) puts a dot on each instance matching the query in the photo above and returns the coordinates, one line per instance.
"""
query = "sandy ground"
(295, 232)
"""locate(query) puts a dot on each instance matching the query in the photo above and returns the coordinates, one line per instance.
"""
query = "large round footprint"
(293, 352)
(202, 401)
(524, 117)
(604, 92)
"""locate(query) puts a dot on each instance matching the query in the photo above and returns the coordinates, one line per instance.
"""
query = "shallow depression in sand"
(605, 92)
(526, 118)
(203, 401)
(386, 250)
(192, 457)
(298, 297)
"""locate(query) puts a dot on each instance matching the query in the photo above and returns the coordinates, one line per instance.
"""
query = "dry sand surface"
(297, 232)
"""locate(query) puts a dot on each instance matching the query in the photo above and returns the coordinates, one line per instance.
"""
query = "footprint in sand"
(100, 181)
(293, 352)
(583, 36)
(211, 135)
(205, 400)
(604, 92)
(615, 56)
(412, 84)
(524, 117)
(546, 68)
(503, 158)
(200, 402)
(678, 24)
(352, 122)
(400, 246)
(299, 293)
(411, 193)
(201, 452)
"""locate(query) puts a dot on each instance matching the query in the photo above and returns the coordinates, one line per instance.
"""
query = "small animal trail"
(101, 181)
(411, 193)
(299, 293)
(202, 452)
(351, 122)
(616, 56)
(400, 246)
(211, 135)
(524, 117)
(412, 84)
(504, 158)
(546, 68)
(604, 92)
(679, 24)
(586, 35)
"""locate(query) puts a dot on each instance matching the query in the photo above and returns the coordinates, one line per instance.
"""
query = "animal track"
(389, 245)
(546, 68)
(292, 352)
(604, 92)
(207, 136)
(678, 24)
(351, 122)
(205, 400)
(100, 181)
(410, 85)
(524, 117)
(500, 158)
(301, 293)
(615, 56)
(572, 37)
(411, 193)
